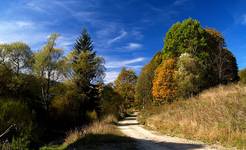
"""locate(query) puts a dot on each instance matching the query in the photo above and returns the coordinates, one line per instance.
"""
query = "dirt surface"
(150, 140)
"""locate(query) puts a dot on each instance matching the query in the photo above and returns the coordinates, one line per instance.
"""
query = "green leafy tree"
(188, 76)
(186, 36)
(20, 56)
(144, 84)
(88, 71)
(125, 86)
(47, 67)
(111, 102)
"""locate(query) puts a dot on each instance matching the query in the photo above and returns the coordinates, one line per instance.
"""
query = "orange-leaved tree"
(164, 87)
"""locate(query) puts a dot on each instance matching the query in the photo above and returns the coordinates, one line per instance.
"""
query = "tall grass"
(217, 115)
(98, 127)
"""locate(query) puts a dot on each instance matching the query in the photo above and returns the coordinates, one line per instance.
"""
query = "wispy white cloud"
(117, 38)
(32, 5)
(115, 66)
(134, 46)
(24, 24)
(16, 25)
(111, 76)
(22, 30)
(124, 63)
(66, 42)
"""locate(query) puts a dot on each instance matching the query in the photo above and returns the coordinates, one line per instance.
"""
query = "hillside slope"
(217, 115)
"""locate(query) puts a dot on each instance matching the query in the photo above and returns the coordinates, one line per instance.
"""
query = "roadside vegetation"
(216, 116)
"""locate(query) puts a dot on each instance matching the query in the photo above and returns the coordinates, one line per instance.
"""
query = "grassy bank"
(217, 115)
(99, 135)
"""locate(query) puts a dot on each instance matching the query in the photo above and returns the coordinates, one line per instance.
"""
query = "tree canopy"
(185, 37)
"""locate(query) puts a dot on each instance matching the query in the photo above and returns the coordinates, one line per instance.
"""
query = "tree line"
(46, 93)
(193, 59)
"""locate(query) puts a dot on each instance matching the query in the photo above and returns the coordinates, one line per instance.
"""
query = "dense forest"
(44, 94)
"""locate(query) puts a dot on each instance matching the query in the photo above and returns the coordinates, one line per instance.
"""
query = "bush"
(5, 79)
(64, 107)
(13, 112)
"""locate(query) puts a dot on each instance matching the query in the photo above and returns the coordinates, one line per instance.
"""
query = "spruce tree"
(88, 71)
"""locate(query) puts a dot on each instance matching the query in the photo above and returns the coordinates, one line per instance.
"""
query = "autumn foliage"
(143, 91)
(164, 87)
(193, 59)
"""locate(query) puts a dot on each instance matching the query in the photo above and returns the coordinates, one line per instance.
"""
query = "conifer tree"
(88, 71)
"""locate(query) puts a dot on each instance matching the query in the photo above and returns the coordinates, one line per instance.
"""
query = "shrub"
(5, 79)
(15, 112)
(67, 99)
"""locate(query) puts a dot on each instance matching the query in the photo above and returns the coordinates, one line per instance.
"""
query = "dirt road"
(150, 140)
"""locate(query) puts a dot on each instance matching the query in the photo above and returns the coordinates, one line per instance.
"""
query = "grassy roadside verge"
(98, 136)
(216, 116)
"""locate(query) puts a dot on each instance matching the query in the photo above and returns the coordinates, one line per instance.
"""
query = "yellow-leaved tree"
(164, 87)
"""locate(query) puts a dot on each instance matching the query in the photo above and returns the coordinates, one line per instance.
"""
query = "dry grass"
(99, 135)
(217, 115)
(98, 127)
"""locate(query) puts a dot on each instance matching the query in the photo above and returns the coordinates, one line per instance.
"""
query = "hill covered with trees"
(193, 59)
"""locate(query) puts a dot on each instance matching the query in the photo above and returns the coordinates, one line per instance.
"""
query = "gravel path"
(150, 140)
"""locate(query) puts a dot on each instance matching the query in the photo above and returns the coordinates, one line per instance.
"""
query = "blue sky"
(126, 33)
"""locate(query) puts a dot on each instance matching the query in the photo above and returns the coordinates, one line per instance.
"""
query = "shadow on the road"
(115, 142)
(127, 124)
(130, 118)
